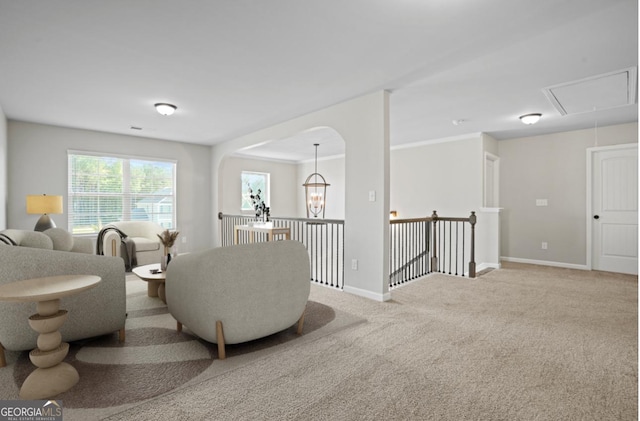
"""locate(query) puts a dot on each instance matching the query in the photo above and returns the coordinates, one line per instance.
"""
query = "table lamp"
(44, 205)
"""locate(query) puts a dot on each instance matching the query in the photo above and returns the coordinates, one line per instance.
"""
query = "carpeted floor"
(520, 343)
(155, 358)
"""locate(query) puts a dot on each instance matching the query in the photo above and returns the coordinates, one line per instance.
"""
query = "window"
(105, 189)
(254, 181)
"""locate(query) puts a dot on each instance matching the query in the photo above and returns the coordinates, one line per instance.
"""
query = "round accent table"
(155, 279)
(52, 376)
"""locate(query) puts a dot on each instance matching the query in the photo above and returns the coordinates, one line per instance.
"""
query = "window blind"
(105, 189)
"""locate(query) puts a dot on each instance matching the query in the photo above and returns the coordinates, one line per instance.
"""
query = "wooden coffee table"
(155, 281)
(52, 376)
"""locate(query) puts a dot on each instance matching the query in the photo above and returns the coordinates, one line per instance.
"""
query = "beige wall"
(38, 164)
(551, 167)
(445, 176)
(284, 189)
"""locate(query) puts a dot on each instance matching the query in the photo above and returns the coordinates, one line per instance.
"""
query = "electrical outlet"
(542, 202)
(544, 245)
(354, 264)
(184, 239)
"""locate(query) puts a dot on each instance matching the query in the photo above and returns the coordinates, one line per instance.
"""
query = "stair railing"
(323, 238)
(418, 246)
(421, 246)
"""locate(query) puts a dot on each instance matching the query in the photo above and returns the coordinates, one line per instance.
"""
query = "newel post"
(434, 255)
(472, 262)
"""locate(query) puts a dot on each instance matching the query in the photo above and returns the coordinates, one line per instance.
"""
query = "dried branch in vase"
(168, 238)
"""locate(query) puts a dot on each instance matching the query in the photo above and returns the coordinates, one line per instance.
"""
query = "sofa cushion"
(61, 238)
(26, 238)
(145, 244)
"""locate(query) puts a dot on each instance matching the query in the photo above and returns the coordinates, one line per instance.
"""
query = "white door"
(614, 215)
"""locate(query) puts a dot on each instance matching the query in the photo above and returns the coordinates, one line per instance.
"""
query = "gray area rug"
(154, 359)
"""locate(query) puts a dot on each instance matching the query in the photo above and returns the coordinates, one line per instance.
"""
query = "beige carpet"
(520, 343)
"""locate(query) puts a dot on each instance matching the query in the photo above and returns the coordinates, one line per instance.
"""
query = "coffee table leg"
(52, 376)
(152, 289)
(161, 292)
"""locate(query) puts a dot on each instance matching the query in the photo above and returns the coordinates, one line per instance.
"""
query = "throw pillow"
(34, 239)
(61, 238)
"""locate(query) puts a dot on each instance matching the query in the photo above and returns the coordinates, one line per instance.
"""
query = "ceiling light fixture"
(530, 118)
(165, 109)
(315, 191)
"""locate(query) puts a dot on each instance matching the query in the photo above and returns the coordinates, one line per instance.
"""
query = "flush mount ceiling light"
(530, 118)
(165, 109)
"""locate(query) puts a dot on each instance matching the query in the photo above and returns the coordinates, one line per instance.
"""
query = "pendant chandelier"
(315, 191)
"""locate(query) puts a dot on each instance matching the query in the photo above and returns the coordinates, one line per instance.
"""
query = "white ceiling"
(236, 66)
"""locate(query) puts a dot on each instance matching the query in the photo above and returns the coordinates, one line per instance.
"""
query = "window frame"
(125, 194)
(266, 195)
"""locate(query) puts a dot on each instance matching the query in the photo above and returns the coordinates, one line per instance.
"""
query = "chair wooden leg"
(121, 335)
(220, 338)
(3, 360)
(179, 327)
(300, 324)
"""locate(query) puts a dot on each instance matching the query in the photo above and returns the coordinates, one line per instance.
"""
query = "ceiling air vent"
(609, 90)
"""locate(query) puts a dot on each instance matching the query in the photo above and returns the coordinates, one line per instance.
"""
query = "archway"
(277, 158)
(363, 123)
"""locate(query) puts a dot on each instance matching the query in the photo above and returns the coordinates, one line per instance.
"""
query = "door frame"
(494, 181)
(590, 155)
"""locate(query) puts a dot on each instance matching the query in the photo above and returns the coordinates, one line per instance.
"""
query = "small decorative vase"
(166, 258)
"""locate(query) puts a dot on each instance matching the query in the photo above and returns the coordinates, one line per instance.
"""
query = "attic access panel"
(609, 90)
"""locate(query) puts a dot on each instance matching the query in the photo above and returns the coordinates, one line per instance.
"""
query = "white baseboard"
(483, 266)
(367, 294)
(544, 263)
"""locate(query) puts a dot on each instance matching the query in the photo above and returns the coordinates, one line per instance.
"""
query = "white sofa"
(239, 293)
(144, 234)
(30, 254)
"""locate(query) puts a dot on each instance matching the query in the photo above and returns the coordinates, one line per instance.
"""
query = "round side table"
(52, 376)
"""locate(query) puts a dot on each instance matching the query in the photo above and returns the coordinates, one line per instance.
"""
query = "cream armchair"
(230, 295)
(144, 235)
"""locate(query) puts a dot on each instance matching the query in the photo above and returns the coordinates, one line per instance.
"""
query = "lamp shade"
(42, 204)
